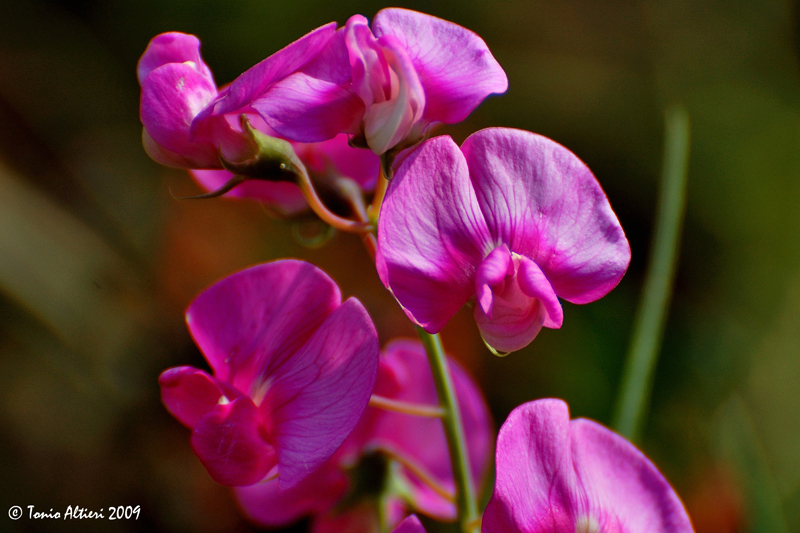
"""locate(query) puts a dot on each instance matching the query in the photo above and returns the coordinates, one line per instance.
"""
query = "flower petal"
(249, 323)
(172, 95)
(308, 109)
(542, 201)
(254, 81)
(535, 483)
(535, 284)
(620, 481)
(189, 393)
(268, 505)
(229, 444)
(431, 234)
(172, 47)
(454, 65)
(492, 271)
(318, 395)
(336, 156)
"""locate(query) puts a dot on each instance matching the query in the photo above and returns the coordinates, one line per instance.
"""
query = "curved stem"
(454, 430)
(648, 327)
(377, 200)
(342, 224)
(420, 473)
(415, 409)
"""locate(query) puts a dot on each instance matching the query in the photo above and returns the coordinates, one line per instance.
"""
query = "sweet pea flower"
(560, 476)
(512, 220)
(414, 445)
(293, 369)
(383, 85)
(178, 87)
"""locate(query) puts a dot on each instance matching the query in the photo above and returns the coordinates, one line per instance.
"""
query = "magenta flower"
(560, 476)
(293, 369)
(179, 95)
(383, 85)
(416, 445)
(512, 219)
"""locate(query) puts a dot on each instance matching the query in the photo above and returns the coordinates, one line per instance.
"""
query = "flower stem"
(648, 327)
(342, 224)
(454, 430)
(415, 409)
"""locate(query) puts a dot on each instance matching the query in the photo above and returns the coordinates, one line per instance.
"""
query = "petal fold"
(432, 235)
(542, 201)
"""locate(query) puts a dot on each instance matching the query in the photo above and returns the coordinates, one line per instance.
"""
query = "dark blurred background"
(98, 260)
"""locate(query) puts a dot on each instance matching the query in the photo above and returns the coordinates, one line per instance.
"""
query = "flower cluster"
(302, 413)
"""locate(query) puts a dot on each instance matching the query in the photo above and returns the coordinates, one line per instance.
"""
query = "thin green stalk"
(648, 327)
(454, 430)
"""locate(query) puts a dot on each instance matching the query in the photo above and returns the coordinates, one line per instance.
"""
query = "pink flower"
(560, 476)
(179, 97)
(511, 219)
(293, 369)
(413, 444)
(383, 85)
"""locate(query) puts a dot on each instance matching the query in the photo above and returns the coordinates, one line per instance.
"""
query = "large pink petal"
(542, 201)
(172, 47)
(535, 483)
(251, 322)
(283, 197)
(268, 505)
(454, 65)
(622, 485)
(431, 234)
(172, 95)
(308, 109)
(407, 377)
(317, 396)
(229, 443)
(254, 81)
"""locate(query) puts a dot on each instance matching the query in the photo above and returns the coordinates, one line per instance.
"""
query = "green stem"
(454, 430)
(648, 327)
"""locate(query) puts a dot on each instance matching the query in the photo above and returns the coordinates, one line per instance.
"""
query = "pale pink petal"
(308, 109)
(559, 476)
(622, 486)
(388, 122)
(535, 483)
(542, 201)
(492, 272)
(535, 284)
(515, 321)
(229, 443)
(283, 197)
(253, 82)
(268, 505)
(316, 397)
(454, 65)
(249, 323)
(410, 525)
(172, 95)
(431, 234)
(172, 47)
